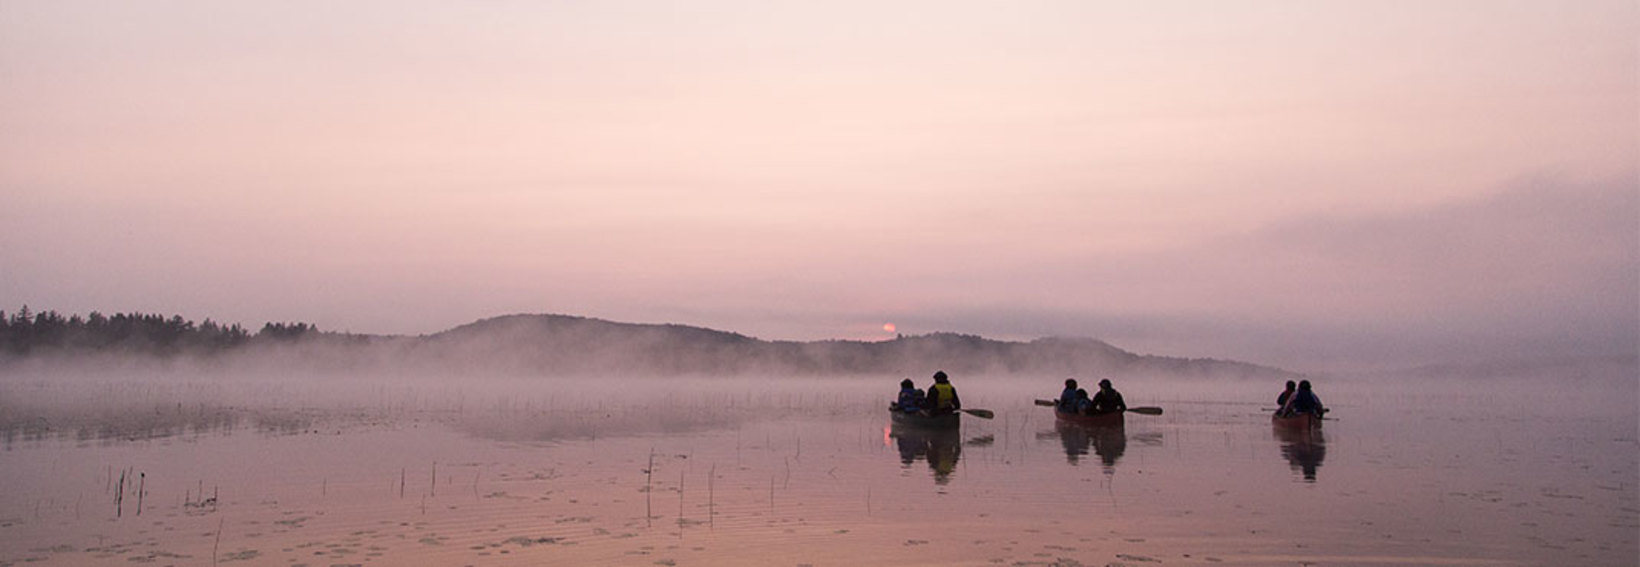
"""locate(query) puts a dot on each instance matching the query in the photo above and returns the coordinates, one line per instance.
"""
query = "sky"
(1314, 185)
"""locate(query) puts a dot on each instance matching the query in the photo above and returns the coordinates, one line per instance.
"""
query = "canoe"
(1300, 422)
(1107, 419)
(919, 421)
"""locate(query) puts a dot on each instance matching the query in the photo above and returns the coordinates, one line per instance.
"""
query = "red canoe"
(920, 421)
(1299, 422)
(1107, 419)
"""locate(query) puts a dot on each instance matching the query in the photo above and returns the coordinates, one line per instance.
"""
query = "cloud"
(1545, 266)
(1543, 248)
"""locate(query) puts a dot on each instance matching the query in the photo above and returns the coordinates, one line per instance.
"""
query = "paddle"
(1322, 417)
(980, 413)
(1143, 410)
(1324, 411)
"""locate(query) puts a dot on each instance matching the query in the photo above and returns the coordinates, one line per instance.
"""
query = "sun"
(888, 327)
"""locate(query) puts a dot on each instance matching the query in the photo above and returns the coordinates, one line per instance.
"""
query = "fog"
(124, 397)
(297, 452)
(296, 389)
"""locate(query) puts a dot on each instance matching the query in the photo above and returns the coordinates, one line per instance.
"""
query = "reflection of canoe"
(1298, 422)
(1107, 419)
(1304, 448)
(940, 446)
(919, 421)
(1107, 441)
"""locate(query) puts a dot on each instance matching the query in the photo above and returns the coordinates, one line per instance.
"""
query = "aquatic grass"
(217, 542)
(648, 490)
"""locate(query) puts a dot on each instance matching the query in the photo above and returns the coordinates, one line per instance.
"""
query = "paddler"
(910, 400)
(1067, 398)
(1107, 400)
(942, 396)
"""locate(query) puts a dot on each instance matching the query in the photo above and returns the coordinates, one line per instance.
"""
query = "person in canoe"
(1067, 398)
(1082, 404)
(1107, 400)
(1281, 400)
(911, 398)
(1303, 401)
(942, 396)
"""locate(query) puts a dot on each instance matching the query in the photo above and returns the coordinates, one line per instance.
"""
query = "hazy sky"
(1311, 184)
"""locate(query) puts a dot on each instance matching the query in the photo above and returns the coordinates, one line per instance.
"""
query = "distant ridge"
(566, 345)
(571, 345)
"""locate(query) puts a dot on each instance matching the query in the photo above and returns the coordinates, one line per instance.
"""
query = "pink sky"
(1309, 184)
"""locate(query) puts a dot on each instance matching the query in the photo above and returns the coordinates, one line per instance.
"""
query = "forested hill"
(567, 345)
(26, 332)
(577, 345)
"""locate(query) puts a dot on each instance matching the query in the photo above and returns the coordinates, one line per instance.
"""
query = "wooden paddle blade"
(980, 413)
(1046, 403)
(1147, 410)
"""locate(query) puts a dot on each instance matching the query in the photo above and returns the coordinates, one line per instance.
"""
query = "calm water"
(811, 473)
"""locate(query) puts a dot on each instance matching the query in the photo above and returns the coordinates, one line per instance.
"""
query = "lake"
(236, 471)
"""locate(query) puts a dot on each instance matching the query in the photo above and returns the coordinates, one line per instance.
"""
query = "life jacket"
(942, 395)
(911, 399)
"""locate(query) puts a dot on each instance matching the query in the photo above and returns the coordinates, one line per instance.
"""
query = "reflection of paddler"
(910, 448)
(942, 449)
(1075, 439)
(1303, 449)
(1107, 442)
(942, 458)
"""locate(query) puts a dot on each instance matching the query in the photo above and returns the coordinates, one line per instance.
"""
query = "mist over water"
(38, 393)
(440, 468)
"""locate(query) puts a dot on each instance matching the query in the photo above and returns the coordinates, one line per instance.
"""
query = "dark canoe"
(919, 421)
(1107, 419)
(1300, 422)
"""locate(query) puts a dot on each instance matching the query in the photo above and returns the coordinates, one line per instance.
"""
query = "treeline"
(29, 332)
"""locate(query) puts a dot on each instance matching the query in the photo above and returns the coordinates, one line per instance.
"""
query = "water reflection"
(1304, 449)
(117, 427)
(941, 448)
(1108, 443)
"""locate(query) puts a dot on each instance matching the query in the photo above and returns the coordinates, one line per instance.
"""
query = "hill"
(564, 345)
(568, 345)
